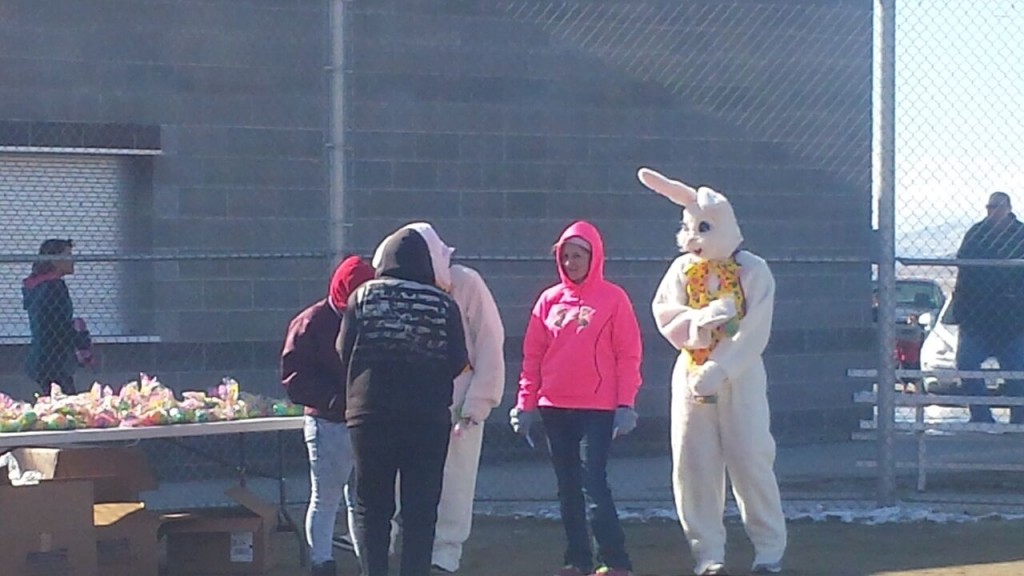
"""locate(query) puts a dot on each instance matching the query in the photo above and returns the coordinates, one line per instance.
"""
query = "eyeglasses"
(993, 206)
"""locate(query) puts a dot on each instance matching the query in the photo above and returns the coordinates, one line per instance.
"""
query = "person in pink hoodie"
(580, 375)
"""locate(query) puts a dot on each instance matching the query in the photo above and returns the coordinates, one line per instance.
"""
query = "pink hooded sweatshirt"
(582, 348)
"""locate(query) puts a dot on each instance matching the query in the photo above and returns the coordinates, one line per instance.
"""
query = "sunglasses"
(993, 206)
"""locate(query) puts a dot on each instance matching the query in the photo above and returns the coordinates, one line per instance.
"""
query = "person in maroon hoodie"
(314, 377)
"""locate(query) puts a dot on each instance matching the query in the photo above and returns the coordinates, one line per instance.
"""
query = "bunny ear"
(674, 190)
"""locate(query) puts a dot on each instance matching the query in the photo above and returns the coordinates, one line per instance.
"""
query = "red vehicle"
(914, 297)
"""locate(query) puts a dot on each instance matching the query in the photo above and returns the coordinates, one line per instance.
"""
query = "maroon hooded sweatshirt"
(311, 370)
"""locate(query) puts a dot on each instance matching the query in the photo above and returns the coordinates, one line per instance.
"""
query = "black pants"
(580, 441)
(381, 450)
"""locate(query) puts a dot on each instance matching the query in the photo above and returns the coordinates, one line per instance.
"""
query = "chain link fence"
(171, 162)
(212, 161)
(958, 296)
(958, 172)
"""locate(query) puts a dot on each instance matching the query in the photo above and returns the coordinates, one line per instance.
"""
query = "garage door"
(63, 196)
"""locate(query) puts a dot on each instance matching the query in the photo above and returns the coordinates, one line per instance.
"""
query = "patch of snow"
(850, 513)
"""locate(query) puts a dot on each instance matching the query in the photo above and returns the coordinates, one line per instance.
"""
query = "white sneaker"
(713, 569)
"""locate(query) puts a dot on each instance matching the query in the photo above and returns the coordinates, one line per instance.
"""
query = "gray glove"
(625, 421)
(522, 421)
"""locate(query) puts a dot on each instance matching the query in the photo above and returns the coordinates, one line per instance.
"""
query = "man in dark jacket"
(988, 302)
(403, 345)
(314, 377)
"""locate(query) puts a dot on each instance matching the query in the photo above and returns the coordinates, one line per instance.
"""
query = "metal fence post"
(883, 182)
(335, 132)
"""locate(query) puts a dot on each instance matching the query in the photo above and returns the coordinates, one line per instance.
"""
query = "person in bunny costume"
(715, 306)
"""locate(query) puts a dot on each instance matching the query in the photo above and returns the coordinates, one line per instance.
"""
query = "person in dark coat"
(402, 343)
(60, 341)
(988, 303)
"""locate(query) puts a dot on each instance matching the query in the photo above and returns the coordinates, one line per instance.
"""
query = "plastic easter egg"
(104, 420)
(175, 416)
(10, 426)
(54, 421)
(28, 419)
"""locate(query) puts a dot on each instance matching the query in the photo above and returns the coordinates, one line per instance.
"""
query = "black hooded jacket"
(989, 301)
(402, 340)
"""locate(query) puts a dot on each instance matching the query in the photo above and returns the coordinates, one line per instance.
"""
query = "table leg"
(241, 460)
(282, 495)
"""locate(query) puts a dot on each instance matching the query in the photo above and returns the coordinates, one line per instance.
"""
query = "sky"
(959, 113)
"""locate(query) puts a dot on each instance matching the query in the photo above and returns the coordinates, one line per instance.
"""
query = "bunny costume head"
(709, 230)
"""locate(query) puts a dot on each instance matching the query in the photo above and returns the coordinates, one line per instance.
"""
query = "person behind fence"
(403, 345)
(60, 341)
(988, 303)
(477, 391)
(314, 377)
(580, 377)
(715, 305)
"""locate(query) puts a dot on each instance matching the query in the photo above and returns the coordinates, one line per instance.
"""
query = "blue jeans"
(579, 441)
(972, 350)
(330, 463)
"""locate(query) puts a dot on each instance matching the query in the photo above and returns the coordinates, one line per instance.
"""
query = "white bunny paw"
(708, 379)
(718, 312)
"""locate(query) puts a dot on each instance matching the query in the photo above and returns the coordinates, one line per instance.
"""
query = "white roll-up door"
(63, 196)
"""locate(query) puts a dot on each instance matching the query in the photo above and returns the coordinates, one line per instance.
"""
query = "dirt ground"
(529, 547)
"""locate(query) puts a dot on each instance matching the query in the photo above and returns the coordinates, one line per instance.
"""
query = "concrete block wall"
(236, 92)
(503, 122)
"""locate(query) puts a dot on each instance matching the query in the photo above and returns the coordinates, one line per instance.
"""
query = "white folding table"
(173, 432)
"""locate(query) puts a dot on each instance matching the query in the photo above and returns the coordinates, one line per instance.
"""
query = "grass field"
(532, 547)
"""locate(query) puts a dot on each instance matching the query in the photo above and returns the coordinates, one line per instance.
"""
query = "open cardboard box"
(126, 539)
(118, 474)
(222, 541)
(120, 532)
(46, 529)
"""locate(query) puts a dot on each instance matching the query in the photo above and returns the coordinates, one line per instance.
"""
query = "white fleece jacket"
(478, 391)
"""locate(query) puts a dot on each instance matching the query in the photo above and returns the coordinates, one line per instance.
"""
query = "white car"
(938, 352)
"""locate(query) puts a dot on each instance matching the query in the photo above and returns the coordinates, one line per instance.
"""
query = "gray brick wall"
(500, 122)
(503, 122)
(237, 94)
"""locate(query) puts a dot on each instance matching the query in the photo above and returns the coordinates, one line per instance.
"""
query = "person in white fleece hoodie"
(477, 391)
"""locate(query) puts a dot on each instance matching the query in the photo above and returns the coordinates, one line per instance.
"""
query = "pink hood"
(582, 348)
(588, 232)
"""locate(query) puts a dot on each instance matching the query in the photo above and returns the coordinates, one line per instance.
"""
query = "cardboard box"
(118, 474)
(126, 539)
(47, 529)
(102, 483)
(222, 541)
